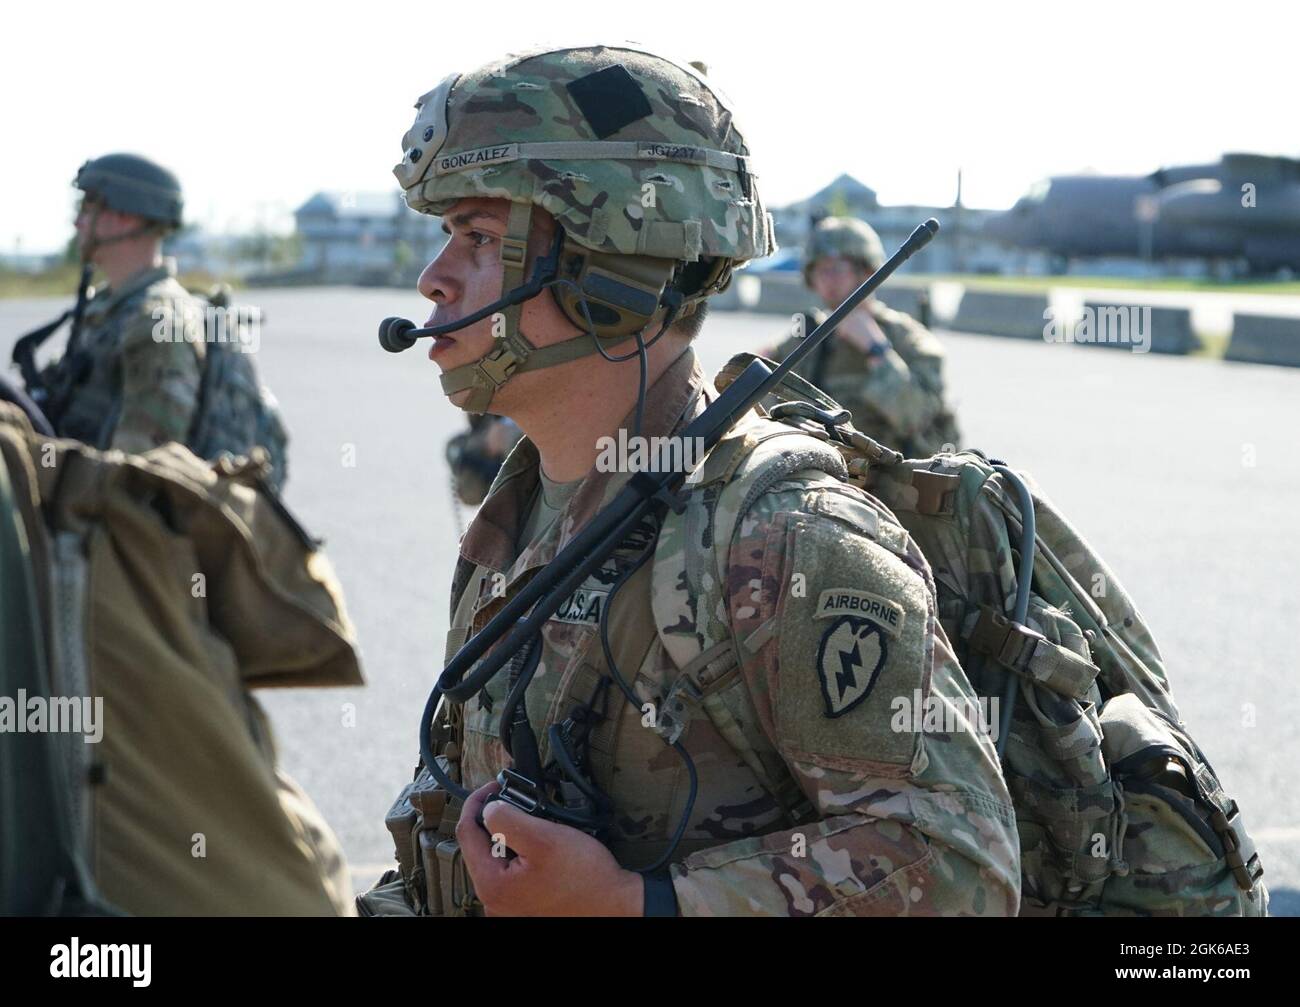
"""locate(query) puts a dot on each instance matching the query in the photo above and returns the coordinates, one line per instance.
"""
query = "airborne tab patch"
(846, 601)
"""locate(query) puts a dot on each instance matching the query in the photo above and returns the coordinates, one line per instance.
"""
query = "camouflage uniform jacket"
(898, 397)
(125, 386)
(815, 795)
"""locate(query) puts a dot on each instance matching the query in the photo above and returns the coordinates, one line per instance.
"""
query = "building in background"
(964, 248)
(225, 255)
(368, 238)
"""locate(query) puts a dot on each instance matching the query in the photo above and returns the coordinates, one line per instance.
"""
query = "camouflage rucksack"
(236, 412)
(1119, 811)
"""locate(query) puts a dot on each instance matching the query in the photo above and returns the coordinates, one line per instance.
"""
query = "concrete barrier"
(990, 313)
(783, 294)
(1126, 326)
(1265, 339)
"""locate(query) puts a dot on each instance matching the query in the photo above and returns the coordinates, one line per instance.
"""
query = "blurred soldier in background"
(475, 455)
(115, 385)
(147, 362)
(881, 365)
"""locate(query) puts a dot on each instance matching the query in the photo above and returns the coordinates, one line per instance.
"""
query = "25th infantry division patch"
(853, 648)
(850, 657)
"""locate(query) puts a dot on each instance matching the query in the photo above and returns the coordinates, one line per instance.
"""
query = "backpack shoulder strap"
(687, 587)
(691, 554)
(759, 452)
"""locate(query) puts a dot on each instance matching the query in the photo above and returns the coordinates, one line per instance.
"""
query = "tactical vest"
(233, 411)
(910, 339)
(87, 381)
(842, 370)
(167, 588)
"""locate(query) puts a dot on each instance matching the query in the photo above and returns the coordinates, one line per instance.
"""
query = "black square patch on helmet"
(610, 99)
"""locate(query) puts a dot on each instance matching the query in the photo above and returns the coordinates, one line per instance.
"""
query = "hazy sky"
(258, 105)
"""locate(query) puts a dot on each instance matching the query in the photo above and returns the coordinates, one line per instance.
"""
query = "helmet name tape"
(585, 150)
(674, 152)
(473, 158)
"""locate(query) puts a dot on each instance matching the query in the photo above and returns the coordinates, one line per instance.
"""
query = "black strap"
(660, 896)
(821, 362)
(10, 392)
(212, 366)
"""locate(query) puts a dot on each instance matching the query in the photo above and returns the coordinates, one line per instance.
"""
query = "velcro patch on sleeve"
(610, 99)
(854, 634)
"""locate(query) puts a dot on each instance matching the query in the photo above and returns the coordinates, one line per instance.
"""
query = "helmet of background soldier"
(131, 184)
(845, 238)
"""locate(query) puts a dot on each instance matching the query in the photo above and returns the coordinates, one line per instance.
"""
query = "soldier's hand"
(556, 870)
(861, 329)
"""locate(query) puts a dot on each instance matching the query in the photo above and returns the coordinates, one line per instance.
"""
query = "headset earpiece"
(622, 292)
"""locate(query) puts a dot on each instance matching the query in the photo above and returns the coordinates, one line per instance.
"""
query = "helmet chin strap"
(511, 352)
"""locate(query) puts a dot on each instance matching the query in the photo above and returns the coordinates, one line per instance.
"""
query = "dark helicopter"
(1244, 209)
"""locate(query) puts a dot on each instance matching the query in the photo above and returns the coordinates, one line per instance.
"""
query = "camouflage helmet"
(132, 184)
(636, 157)
(631, 153)
(846, 238)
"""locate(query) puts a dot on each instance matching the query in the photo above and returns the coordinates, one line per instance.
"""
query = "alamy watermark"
(917, 714)
(75, 960)
(239, 326)
(1117, 324)
(648, 454)
(53, 715)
